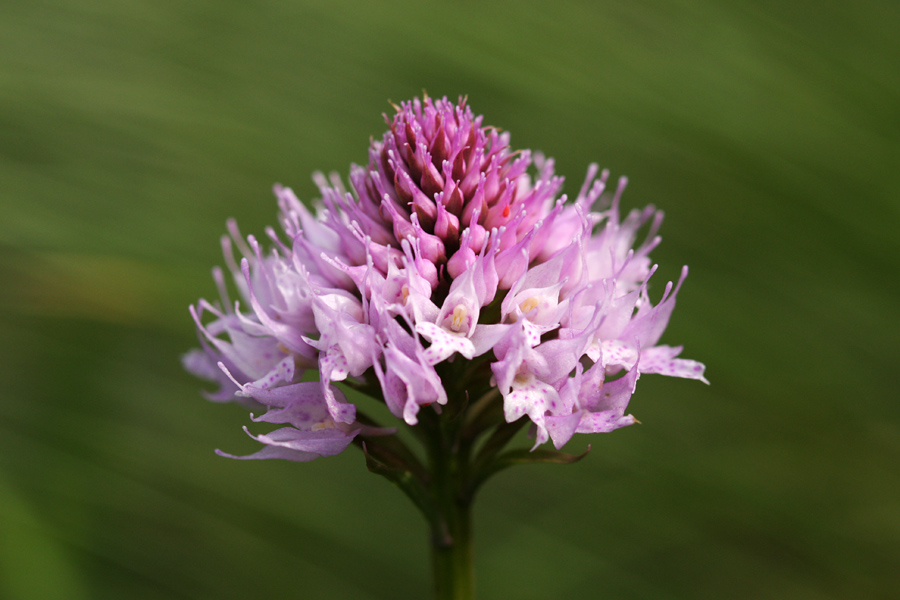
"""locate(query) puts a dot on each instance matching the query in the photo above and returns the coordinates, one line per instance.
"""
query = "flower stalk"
(451, 524)
(451, 552)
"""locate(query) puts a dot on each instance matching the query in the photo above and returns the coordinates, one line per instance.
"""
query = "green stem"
(451, 554)
(451, 524)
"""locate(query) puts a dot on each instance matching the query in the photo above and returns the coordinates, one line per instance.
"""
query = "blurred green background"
(768, 131)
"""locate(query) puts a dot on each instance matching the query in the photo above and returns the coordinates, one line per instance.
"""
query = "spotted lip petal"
(447, 246)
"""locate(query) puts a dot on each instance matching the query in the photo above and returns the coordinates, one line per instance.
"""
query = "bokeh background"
(768, 131)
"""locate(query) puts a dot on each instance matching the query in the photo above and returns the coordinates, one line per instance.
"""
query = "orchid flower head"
(447, 249)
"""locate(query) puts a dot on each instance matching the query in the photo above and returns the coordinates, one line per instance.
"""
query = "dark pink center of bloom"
(441, 180)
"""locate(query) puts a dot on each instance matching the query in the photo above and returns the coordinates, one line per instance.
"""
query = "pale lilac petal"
(283, 372)
(407, 380)
(612, 395)
(485, 337)
(301, 446)
(444, 343)
(561, 356)
(617, 354)
(648, 325)
(532, 397)
(603, 421)
(279, 452)
(661, 359)
(515, 353)
(305, 411)
(562, 428)
(252, 355)
(203, 364)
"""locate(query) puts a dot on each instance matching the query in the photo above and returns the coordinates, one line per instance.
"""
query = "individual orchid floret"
(457, 326)
(311, 431)
(288, 443)
(408, 379)
(228, 340)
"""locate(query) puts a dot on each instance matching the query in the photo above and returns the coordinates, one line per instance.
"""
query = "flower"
(449, 248)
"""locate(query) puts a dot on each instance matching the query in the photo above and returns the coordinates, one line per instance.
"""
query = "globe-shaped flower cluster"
(451, 271)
